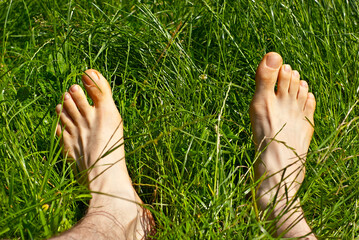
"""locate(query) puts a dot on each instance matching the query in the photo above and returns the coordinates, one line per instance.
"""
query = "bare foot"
(93, 137)
(282, 128)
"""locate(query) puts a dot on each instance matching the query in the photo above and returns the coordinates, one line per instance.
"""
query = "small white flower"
(203, 76)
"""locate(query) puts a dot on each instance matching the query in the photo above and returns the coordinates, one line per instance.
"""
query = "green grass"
(188, 139)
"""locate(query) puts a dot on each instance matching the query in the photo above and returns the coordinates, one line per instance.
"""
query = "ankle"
(121, 207)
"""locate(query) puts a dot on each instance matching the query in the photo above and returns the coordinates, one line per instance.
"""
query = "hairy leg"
(282, 123)
(93, 137)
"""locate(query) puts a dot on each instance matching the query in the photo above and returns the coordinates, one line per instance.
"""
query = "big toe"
(97, 86)
(267, 72)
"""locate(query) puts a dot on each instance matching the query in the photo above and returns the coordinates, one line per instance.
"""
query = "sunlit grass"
(188, 137)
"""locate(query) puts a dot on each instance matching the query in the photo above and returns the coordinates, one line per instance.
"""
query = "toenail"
(90, 76)
(273, 60)
(74, 88)
(66, 96)
(58, 108)
(304, 84)
(296, 74)
(287, 68)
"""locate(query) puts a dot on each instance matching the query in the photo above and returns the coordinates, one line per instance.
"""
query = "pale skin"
(88, 133)
(282, 123)
(93, 137)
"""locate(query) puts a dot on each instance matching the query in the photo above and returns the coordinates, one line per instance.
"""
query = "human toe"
(58, 130)
(71, 108)
(284, 78)
(302, 94)
(80, 99)
(267, 72)
(294, 84)
(310, 107)
(66, 121)
(97, 86)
